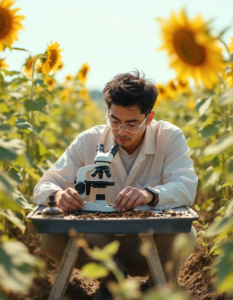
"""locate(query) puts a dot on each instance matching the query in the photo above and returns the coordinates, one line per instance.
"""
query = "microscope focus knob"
(80, 187)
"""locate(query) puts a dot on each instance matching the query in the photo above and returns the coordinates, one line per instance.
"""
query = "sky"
(111, 36)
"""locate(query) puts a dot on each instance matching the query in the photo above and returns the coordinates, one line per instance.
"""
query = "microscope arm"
(82, 174)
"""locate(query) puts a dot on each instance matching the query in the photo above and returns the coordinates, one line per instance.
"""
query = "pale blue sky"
(112, 36)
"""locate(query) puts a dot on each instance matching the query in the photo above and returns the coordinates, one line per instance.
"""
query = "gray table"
(77, 228)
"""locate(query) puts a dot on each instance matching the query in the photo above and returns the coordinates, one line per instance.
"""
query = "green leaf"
(20, 200)
(14, 219)
(8, 203)
(226, 97)
(19, 49)
(6, 183)
(224, 267)
(16, 94)
(229, 164)
(15, 175)
(23, 161)
(194, 142)
(35, 105)
(5, 128)
(208, 130)
(220, 225)
(3, 107)
(10, 149)
(227, 184)
(17, 267)
(228, 206)
(10, 73)
(202, 105)
(39, 82)
(212, 179)
(221, 145)
(23, 125)
(112, 248)
(33, 174)
(94, 271)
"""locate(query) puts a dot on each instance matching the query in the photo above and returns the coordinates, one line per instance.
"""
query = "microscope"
(83, 186)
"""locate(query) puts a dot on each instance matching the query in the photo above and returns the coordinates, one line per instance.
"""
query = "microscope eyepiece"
(114, 150)
(100, 148)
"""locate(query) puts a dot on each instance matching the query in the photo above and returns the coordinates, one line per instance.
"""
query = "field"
(38, 121)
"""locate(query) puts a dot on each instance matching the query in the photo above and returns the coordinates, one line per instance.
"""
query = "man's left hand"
(131, 197)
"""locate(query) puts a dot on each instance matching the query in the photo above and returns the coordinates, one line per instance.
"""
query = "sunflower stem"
(225, 46)
(222, 81)
(31, 113)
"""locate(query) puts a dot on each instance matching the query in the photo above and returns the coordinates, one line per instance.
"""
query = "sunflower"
(65, 94)
(83, 94)
(68, 77)
(156, 103)
(38, 66)
(183, 86)
(229, 75)
(193, 51)
(28, 66)
(162, 91)
(3, 64)
(82, 73)
(190, 105)
(9, 24)
(172, 89)
(60, 66)
(52, 58)
(229, 70)
(50, 81)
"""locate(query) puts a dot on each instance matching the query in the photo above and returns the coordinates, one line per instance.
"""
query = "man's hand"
(68, 199)
(131, 197)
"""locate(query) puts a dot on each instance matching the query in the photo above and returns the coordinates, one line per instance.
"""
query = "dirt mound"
(195, 276)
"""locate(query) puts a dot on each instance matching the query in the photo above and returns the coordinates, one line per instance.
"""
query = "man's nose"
(122, 130)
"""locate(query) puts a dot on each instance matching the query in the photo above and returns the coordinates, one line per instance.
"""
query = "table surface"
(161, 223)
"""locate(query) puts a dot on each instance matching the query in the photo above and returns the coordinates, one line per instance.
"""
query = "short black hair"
(131, 89)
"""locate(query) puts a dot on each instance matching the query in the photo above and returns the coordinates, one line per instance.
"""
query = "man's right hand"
(68, 199)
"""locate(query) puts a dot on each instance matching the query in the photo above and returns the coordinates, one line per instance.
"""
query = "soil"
(131, 214)
(194, 276)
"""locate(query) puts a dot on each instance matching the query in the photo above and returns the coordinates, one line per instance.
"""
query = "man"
(152, 167)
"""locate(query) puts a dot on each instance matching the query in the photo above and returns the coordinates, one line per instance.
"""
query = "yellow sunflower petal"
(53, 58)
(193, 52)
(10, 24)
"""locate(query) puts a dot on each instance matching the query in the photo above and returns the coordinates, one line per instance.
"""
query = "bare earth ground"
(192, 277)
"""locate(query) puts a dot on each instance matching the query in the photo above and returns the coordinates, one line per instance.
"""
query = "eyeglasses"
(114, 124)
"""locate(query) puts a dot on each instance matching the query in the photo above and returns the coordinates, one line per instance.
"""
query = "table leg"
(66, 266)
(153, 259)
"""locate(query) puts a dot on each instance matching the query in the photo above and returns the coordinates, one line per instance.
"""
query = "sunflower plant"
(193, 51)
(10, 24)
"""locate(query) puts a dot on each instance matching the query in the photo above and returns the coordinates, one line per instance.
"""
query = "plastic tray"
(161, 224)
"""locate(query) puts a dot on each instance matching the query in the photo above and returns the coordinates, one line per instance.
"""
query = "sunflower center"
(53, 58)
(5, 23)
(172, 86)
(161, 90)
(84, 71)
(187, 48)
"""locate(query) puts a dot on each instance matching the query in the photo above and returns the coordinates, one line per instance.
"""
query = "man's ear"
(150, 117)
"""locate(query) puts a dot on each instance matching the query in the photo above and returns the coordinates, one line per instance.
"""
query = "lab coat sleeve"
(61, 175)
(180, 180)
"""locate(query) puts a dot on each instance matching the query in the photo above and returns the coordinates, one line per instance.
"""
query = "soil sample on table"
(131, 214)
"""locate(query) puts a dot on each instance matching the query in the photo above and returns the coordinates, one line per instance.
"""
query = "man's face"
(128, 140)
